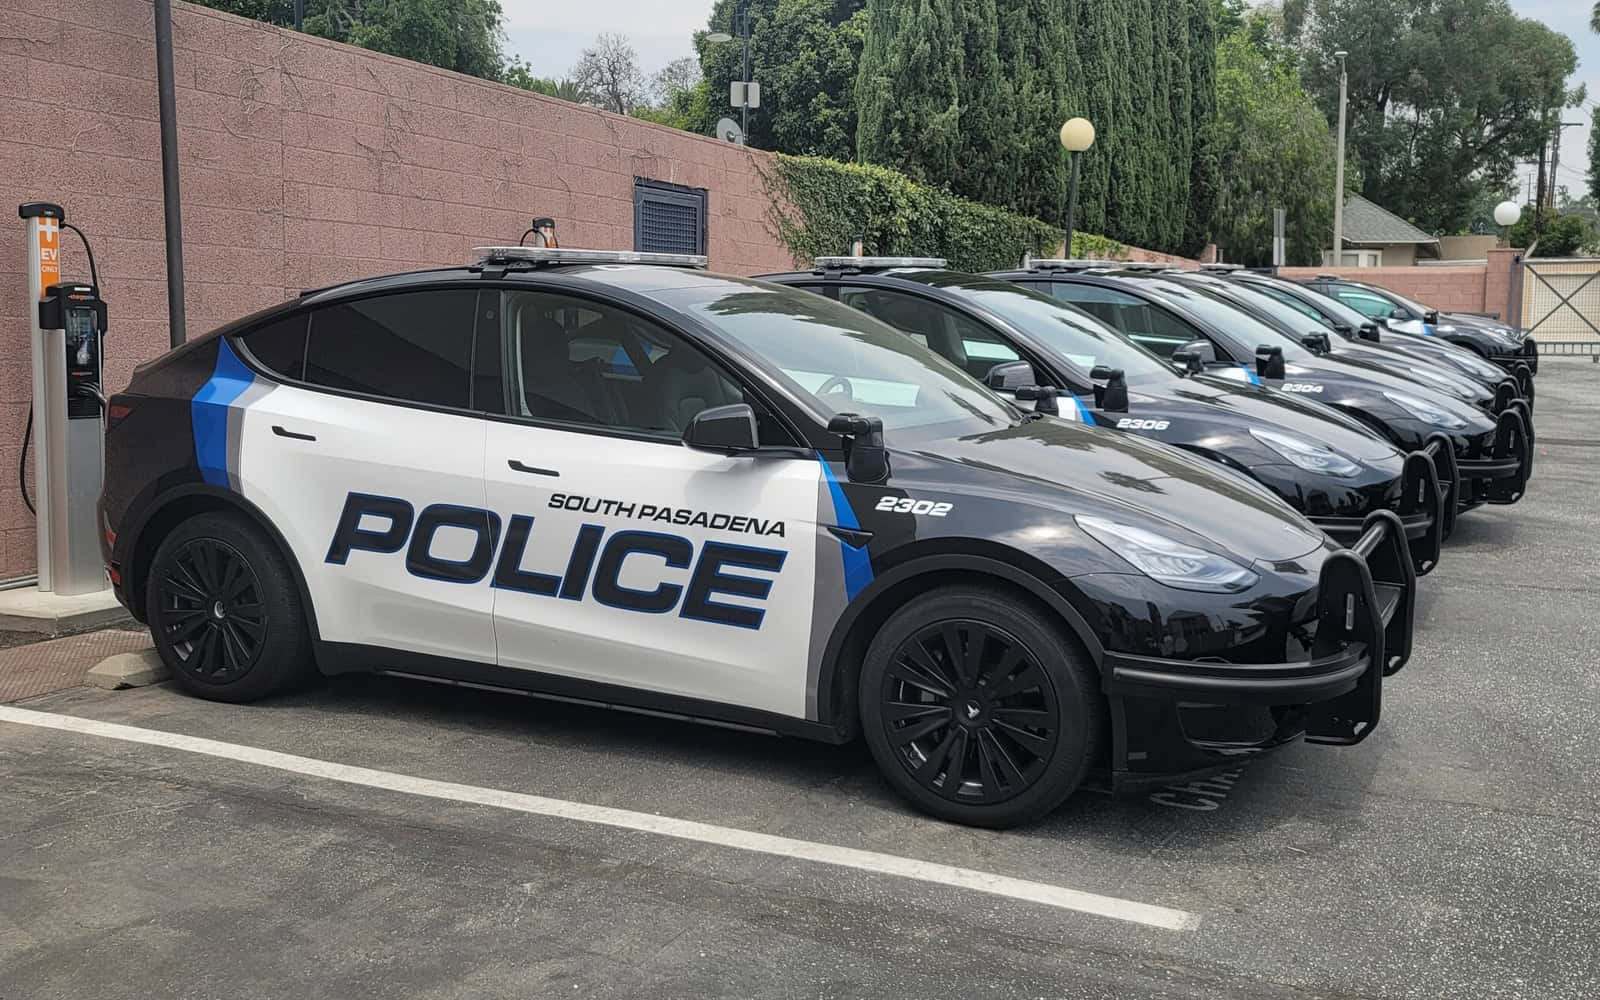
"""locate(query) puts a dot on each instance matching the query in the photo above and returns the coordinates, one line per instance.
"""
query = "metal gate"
(1561, 304)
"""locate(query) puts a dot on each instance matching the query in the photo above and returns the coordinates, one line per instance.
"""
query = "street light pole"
(744, 118)
(1338, 172)
(1077, 135)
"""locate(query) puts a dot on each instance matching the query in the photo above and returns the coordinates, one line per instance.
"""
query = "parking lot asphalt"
(1456, 853)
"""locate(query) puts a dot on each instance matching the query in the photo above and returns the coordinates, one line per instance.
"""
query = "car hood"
(1078, 469)
(1211, 403)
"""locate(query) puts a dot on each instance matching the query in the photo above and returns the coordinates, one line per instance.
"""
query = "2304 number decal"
(906, 505)
(1301, 387)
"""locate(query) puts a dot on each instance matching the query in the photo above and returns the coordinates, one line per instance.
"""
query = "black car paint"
(1300, 651)
(1476, 333)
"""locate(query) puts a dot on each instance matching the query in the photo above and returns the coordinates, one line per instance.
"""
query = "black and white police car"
(1499, 342)
(1026, 344)
(621, 479)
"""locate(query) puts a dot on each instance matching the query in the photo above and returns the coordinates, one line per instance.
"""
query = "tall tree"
(907, 90)
(608, 74)
(1594, 157)
(1039, 56)
(1205, 174)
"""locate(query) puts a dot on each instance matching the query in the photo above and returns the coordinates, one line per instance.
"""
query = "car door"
(630, 558)
(368, 458)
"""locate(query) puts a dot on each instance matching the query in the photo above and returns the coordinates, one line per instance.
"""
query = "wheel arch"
(178, 505)
(891, 589)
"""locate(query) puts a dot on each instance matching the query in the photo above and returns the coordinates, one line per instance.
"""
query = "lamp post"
(1338, 170)
(717, 37)
(1506, 215)
(1077, 135)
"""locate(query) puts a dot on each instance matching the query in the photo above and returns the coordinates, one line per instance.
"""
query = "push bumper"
(1427, 505)
(1178, 716)
(1527, 354)
(1502, 477)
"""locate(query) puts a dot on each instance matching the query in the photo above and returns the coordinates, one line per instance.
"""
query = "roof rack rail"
(565, 255)
(847, 263)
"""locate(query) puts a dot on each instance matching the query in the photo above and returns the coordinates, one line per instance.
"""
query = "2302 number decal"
(906, 505)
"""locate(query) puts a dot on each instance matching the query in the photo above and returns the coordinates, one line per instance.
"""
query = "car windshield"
(1231, 319)
(1330, 306)
(843, 359)
(1285, 315)
(1065, 329)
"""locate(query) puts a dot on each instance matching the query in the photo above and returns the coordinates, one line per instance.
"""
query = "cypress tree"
(988, 111)
(1180, 113)
(910, 103)
(1205, 174)
(1135, 174)
(1100, 62)
(1039, 57)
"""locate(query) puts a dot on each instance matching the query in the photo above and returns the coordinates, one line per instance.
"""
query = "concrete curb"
(128, 670)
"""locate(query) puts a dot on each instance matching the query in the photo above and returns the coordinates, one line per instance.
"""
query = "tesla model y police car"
(600, 476)
(1025, 343)
(1190, 322)
(1506, 346)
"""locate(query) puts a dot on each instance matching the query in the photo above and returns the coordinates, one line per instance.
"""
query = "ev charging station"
(68, 330)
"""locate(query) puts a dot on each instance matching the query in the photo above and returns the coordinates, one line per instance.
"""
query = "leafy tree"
(608, 74)
(1594, 156)
(1205, 172)
(1279, 154)
(1445, 95)
(1039, 59)
(907, 90)
(520, 74)
(1564, 236)
(679, 74)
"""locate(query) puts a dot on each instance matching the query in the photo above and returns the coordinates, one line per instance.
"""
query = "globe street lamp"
(1077, 135)
(1507, 214)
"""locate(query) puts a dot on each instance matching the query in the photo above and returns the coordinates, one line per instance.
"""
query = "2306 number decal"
(906, 505)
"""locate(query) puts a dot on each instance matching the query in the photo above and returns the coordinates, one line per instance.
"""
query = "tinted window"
(1365, 303)
(844, 360)
(1149, 326)
(280, 346)
(412, 346)
(585, 363)
(1247, 331)
(949, 333)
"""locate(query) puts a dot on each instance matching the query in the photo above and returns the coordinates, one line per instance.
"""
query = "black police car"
(1352, 326)
(598, 476)
(1505, 345)
(1027, 344)
(1187, 319)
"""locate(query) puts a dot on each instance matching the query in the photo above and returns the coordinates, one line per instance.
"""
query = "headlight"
(1308, 456)
(1166, 561)
(1425, 411)
(1453, 386)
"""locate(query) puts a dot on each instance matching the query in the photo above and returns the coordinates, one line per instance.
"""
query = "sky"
(551, 34)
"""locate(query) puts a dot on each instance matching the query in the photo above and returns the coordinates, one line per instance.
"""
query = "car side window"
(414, 347)
(280, 347)
(1365, 303)
(1148, 325)
(574, 361)
(933, 325)
(1285, 298)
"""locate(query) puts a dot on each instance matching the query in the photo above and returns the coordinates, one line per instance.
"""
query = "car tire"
(225, 612)
(994, 737)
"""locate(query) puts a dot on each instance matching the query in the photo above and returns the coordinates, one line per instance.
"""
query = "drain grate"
(41, 667)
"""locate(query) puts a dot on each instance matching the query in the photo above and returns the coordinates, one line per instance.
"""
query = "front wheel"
(224, 610)
(980, 708)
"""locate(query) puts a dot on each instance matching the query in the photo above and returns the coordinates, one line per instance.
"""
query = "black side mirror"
(1317, 343)
(1113, 396)
(1201, 348)
(1344, 330)
(1431, 316)
(1044, 398)
(723, 428)
(1369, 331)
(1190, 360)
(1269, 361)
(866, 459)
(1009, 376)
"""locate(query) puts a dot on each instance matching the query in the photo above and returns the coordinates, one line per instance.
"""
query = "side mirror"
(1190, 360)
(866, 458)
(723, 428)
(1269, 361)
(1009, 376)
(1369, 331)
(1398, 313)
(1317, 343)
(1044, 398)
(1113, 396)
(1431, 316)
(1344, 330)
(1202, 348)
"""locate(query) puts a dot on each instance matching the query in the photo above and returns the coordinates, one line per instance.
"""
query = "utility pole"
(1539, 195)
(1338, 172)
(1555, 160)
(744, 117)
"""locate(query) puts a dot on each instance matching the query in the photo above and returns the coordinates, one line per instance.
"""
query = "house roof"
(1365, 222)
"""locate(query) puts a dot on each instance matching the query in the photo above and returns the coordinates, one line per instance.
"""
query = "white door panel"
(654, 565)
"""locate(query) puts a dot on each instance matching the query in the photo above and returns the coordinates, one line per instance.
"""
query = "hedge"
(821, 205)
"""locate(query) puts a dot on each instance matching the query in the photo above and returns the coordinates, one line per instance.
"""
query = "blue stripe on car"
(208, 412)
(1084, 416)
(1250, 376)
(857, 563)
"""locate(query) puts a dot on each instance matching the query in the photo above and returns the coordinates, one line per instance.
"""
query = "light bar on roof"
(1222, 268)
(1064, 264)
(828, 263)
(564, 255)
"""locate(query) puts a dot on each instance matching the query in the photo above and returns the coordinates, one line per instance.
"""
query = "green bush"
(820, 206)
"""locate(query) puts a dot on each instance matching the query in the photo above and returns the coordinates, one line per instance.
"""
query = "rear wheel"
(980, 708)
(224, 610)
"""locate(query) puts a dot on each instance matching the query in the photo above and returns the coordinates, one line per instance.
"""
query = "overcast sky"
(551, 34)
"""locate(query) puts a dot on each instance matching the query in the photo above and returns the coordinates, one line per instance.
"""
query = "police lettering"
(594, 564)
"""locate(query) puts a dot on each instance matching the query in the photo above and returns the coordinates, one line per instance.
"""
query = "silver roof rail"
(564, 255)
(864, 263)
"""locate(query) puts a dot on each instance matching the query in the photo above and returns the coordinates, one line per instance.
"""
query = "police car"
(1189, 319)
(1498, 342)
(1026, 344)
(619, 479)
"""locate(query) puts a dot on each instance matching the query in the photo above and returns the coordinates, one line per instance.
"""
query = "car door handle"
(533, 470)
(284, 433)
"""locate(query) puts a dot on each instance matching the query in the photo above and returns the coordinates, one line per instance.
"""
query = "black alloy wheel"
(211, 610)
(970, 714)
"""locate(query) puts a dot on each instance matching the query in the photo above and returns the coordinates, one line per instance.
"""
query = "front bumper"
(1426, 505)
(1501, 477)
(1527, 354)
(1172, 717)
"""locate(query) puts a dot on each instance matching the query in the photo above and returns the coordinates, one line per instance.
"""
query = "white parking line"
(538, 805)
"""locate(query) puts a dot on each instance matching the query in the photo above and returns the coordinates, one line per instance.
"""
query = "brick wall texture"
(304, 162)
(1474, 288)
